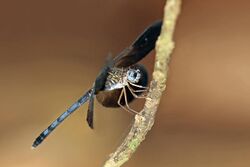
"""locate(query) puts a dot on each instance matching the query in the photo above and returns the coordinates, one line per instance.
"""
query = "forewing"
(140, 47)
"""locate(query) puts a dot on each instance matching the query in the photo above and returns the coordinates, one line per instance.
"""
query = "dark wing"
(98, 86)
(140, 47)
(102, 76)
(90, 113)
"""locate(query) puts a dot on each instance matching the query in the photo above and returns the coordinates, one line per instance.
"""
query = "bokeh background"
(51, 51)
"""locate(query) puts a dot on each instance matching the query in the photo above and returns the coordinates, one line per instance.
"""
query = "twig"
(145, 120)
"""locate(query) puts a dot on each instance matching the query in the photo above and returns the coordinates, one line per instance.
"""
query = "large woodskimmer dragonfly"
(119, 82)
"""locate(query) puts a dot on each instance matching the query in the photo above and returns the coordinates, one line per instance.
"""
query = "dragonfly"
(119, 82)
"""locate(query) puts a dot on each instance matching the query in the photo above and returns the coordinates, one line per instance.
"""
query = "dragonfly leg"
(144, 91)
(126, 102)
(138, 86)
(119, 102)
(142, 96)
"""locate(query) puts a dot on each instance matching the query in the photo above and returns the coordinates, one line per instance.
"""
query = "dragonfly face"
(119, 82)
(134, 75)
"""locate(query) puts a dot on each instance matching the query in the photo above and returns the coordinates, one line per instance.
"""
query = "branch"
(144, 121)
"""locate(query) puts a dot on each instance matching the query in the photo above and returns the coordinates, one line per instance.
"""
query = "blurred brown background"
(51, 51)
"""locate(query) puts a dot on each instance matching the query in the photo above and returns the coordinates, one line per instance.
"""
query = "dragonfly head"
(137, 74)
(133, 75)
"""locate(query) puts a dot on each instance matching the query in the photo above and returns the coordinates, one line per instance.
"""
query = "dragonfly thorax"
(120, 77)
